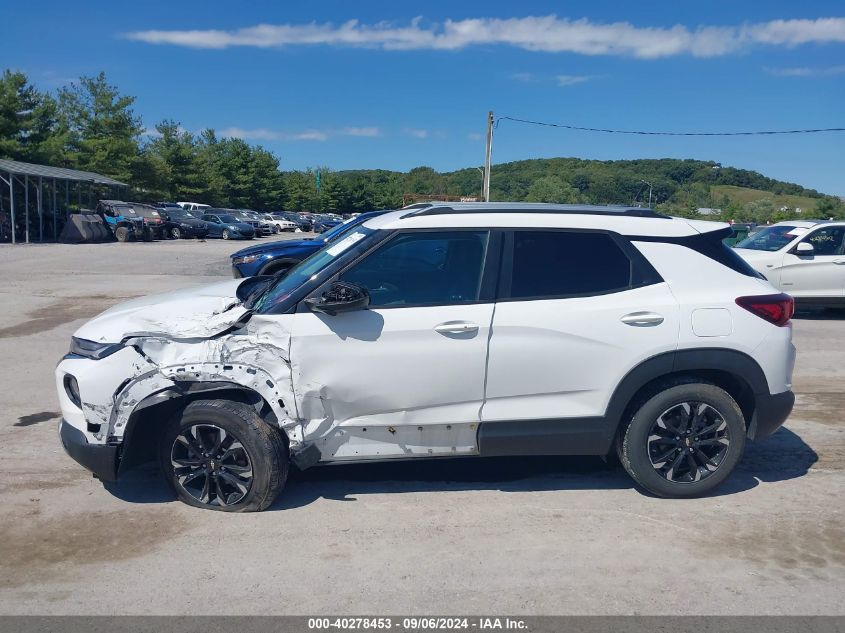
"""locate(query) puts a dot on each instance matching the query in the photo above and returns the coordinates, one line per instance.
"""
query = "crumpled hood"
(190, 313)
(276, 246)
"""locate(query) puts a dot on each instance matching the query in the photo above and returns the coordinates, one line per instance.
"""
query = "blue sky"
(410, 84)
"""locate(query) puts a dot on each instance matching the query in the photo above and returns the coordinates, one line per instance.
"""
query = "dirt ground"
(517, 536)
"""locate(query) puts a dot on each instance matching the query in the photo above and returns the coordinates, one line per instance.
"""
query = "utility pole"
(488, 155)
(649, 192)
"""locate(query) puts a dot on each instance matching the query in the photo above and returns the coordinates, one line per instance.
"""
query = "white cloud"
(415, 132)
(571, 80)
(475, 136)
(535, 33)
(266, 134)
(828, 71)
(524, 77)
(361, 131)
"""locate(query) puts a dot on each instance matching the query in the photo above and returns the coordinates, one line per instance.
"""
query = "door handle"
(642, 319)
(456, 327)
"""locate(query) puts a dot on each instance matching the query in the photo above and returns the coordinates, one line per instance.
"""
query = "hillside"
(744, 195)
(677, 186)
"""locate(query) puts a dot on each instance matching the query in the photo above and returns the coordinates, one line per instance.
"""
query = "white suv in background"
(194, 206)
(804, 258)
(442, 331)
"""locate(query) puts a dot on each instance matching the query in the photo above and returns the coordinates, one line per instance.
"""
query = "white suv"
(804, 258)
(444, 330)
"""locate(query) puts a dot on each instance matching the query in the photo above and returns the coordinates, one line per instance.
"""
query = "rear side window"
(558, 264)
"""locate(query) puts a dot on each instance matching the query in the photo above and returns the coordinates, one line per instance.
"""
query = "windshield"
(771, 238)
(285, 285)
(179, 215)
(228, 218)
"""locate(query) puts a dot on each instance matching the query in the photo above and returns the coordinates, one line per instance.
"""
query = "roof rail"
(635, 212)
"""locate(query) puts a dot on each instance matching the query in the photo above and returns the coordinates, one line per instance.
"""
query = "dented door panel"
(416, 390)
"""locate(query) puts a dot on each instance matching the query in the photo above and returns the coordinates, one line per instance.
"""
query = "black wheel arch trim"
(162, 405)
(596, 435)
(276, 263)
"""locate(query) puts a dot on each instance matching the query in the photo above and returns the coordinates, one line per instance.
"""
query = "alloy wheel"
(688, 442)
(211, 465)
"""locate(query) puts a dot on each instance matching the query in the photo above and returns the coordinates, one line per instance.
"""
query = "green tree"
(174, 155)
(103, 132)
(27, 121)
(552, 189)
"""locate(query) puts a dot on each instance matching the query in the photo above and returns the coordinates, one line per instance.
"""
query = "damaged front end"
(131, 368)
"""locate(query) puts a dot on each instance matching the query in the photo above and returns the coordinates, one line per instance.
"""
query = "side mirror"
(804, 248)
(341, 296)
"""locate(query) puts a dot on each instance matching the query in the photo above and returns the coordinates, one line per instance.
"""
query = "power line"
(644, 133)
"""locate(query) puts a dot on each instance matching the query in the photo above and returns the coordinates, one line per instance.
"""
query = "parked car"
(323, 223)
(261, 228)
(804, 258)
(304, 224)
(280, 222)
(124, 223)
(225, 225)
(152, 219)
(194, 206)
(739, 231)
(276, 258)
(459, 330)
(178, 223)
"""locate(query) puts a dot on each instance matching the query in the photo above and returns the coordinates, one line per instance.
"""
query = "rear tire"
(176, 233)
(220, 455)
(684, 441)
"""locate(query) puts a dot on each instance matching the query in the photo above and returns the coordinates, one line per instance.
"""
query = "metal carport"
(31, 176)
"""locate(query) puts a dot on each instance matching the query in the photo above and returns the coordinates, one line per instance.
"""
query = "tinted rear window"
(567, 263)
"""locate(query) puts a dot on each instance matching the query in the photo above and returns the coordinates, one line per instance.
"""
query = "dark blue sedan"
(325, 223)
(273, 258)
(228, 227)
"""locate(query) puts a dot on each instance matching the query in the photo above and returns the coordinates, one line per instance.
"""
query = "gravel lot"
(518, 536)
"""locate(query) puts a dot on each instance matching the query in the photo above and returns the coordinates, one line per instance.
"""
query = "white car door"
(580, 309)
(820, 273)
(404, 377)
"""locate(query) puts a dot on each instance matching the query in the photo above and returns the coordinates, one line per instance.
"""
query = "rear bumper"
(100, 459)
(770, 412)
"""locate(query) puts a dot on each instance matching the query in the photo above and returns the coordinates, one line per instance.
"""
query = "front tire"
(226, 234)
(684, 441)
(176, 233)
(121, 233)
(220, 455)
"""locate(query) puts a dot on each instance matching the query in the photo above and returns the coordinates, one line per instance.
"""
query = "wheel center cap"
(687, 442)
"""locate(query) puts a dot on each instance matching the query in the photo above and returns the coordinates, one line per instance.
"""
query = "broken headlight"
(92, 349)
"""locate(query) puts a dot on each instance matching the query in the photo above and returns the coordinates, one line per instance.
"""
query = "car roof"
(621, 219)
(804, 224)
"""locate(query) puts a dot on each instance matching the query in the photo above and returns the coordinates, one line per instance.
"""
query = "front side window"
(567, 263)
(424, 268)
(826, 241)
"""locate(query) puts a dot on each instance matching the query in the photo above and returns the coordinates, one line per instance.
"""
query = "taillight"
(777, 309)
